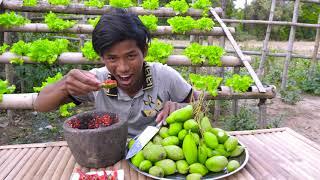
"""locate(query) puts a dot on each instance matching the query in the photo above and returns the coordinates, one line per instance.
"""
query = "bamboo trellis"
(255, 92)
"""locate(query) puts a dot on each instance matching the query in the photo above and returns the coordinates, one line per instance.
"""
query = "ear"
(145, 51)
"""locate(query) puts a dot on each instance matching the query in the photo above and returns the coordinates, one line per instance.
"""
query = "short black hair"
(116, 26)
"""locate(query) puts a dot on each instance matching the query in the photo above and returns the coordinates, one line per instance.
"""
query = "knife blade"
(143, 139)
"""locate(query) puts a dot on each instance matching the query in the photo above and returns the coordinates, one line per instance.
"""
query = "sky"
(240, 3)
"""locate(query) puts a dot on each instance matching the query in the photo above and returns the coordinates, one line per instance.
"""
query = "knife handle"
(159, 124)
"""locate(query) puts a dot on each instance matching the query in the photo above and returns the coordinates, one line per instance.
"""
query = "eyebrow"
(129, 52)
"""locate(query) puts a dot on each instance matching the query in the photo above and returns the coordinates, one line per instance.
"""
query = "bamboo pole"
(26, 101)
(266, 41)
(263, 22)
(77, 58)
(314, 61)
(235, 104)
(77, 8)
(290, 45)
(87, 29)
(239, 52)
(262, 121)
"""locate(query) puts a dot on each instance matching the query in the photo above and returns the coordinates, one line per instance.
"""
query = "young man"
(146, 92)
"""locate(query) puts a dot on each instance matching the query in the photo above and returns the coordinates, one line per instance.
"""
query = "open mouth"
(125, 80)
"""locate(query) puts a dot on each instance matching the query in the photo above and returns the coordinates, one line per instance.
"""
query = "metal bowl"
(242, 159)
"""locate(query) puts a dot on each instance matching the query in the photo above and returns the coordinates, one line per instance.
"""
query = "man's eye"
(131, 56)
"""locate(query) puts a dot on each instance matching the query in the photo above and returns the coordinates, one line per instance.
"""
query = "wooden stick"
(235, 105)
(77, 8)
(87, 29)
(46, 163)
(26, 167)
(290, 46)
(5, 171)
(314, 61)
(25, 101)
(239, 53)
(21, 164)
(69, 168)
(34, 145)
(258, 131)
(77, 58)
(266, 41)
(62, 164)
(54, 164)
(302, 138)
(270, 22)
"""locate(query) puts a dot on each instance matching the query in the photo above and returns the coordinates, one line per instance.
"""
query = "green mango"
(190, 150)
(210, 139)
(174, 129)
(180, 115)
(221, 134)
(192, 125)
(145, 165)
(182, 134)
(194, 176)
(157, 139)
(156, 171)
(231, 143)
(205, 124)
(169, 166)
(171, 140)
(163, 132)
(154, 153)
(233, 165)
(196, 137)
(174, 152)
(216, 163)
(198, 168)
(182, 166)
(221, 150)
(202, 154)
(137, 159)
(237, 151)
(130, 143)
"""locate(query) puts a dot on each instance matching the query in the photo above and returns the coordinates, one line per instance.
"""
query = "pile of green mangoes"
(188, 147)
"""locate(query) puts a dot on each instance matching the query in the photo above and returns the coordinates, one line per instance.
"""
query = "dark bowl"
(99, 147)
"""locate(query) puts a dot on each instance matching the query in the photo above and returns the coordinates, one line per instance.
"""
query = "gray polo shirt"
(162, 83)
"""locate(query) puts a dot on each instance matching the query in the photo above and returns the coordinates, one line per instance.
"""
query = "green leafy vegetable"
(64, 110)
(206, 83)
(94, 3)
(94, 21)
(57, 24)
(150, 21)
(179, 6)
(43, 50)
(88, 52)
(49, 80)
(4, 48)
(150, 4)
(121, 3)
(194, 53)
(5, 88)
(204, 5)
(239, 83)
(213, 54)
(159, 51)
(181, 24)
(30, 2)
(59, 2)
(20, 48)
(11, 19)
(204, 24)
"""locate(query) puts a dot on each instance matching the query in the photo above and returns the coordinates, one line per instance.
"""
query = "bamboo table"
(274, 153)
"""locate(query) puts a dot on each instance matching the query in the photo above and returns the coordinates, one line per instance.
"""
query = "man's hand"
(80, 82)
(168, 108)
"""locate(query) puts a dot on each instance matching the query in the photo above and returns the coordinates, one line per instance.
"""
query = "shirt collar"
(147, 83)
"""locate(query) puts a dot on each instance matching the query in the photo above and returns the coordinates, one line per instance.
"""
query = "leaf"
(30, 2)
(150, 4)
(94, 3)
(194, 53)
(4, 48)
(206, 83)
(88, 52)
(64, 110)
(150, 21)
(49, 80)
(59, 2)
(239, 83)
(121, 3)
(179, 6)
(181, 24)
(11, 19)
(94, 21)
(5, 88)
(57, 24)
(204, 24)
(158, 51)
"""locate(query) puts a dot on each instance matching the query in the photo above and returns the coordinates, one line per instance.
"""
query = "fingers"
(168, 108)
(80, 82)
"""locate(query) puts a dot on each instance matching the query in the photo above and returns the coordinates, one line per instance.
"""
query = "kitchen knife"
(143, 139)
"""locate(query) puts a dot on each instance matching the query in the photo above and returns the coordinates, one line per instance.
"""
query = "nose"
(123, 66)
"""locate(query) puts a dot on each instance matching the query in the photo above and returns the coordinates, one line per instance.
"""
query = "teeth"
(124, 76)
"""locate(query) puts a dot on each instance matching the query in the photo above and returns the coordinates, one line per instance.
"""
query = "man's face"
(125, 61)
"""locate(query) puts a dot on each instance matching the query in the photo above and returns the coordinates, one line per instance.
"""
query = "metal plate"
(242, 159)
